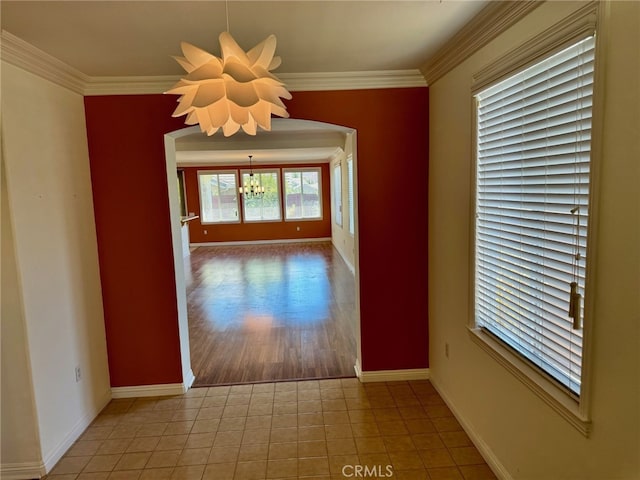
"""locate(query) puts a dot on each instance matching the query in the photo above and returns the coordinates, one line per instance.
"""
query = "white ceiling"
(289, 141)
(138, 38)
(260, 156)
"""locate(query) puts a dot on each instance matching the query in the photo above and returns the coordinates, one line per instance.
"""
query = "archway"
(292, 128)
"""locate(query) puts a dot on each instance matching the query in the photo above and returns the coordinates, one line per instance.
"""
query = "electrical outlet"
(78, 374)
(446, 350)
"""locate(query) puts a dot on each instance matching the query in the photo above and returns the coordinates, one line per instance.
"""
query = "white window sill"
(221, 223)
(306, 219)
(272, 220)
(568, 407)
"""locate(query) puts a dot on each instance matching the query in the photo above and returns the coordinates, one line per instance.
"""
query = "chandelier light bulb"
(232, 92)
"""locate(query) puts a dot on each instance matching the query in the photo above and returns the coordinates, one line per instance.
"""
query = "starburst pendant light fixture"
(232, 92)
(252, 188)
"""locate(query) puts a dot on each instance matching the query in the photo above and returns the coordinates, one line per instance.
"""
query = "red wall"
(128, 175)
(129, 180)
(231, 232)
(392, 126)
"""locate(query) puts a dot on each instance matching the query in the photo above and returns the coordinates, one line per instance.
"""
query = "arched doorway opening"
(298, 137)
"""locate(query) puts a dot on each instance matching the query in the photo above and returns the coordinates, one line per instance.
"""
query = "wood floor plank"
(261, 313)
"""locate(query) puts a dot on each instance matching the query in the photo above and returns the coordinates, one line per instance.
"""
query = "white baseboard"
(496, 466)
(157, 390)
(22, 471)
(78, 429)
(351, 268)
(260, 242)
(391, 375)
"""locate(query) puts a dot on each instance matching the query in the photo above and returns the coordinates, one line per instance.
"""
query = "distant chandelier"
(231, 92)
(253, 187)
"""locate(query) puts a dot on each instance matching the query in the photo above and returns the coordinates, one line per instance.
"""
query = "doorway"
(304, 129)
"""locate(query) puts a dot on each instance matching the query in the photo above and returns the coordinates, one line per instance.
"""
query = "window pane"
(181, 194)
(302, 194)
(218, 197)
(263, 208)
(311, 194)
(337, 194)
(350, 194)
(532, 197)
(293, 192)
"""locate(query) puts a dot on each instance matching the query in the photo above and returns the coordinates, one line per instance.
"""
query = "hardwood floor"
(270, 312)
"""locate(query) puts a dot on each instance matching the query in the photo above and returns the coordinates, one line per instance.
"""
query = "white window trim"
(351, 198)
(210, 172)
(242, 199)
(337, 206)
(284, 193)
(580, 24)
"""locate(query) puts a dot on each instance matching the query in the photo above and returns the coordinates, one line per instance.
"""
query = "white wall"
(50, 200)
(19, 446)
(523, 436)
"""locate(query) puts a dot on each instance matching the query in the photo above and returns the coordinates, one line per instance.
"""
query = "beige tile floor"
(316, 429)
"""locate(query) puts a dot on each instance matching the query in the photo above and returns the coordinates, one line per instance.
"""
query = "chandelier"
(232, 92)
(252, 189)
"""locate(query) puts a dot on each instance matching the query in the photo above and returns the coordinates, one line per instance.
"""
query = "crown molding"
(295, 82)
(24, 55)
(299, 82)
(129, 85)
(492, 20)
(17, 52)
(578, 25)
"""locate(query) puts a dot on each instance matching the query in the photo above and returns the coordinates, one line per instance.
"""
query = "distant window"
(267, 207)
(337, 194)
(350, 194)
(303, 193)
(181, 193)
(218, 197)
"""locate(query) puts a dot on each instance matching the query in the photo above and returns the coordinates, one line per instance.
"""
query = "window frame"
(233, 172)
(277, 171)
(351, 195)
(576, 27)
(336, 194)
(182, 192)
(318, 170)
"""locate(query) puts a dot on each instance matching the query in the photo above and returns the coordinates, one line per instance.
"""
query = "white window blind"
(337, 194)
(218, 197)
(350, 194)
(532, 196)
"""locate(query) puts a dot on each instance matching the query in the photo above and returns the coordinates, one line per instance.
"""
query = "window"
(337, 194)
(267, 207)
(218, 197)
(532, 199)
(182, 198)
(350, 194)
(303, 194)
